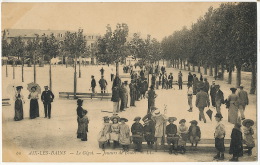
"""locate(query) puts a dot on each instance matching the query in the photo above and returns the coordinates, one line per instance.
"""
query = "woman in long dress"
(233, 108)
(18, 105)
(34, 106)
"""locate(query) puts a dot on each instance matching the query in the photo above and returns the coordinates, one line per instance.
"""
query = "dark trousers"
(103, 89)
(138, 145)
(180, 85)
(47, 109)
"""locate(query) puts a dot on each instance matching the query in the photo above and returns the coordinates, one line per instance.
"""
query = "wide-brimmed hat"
(182, 121)
(157, 112)
(172, 119)
(114, 117)
(123, 119)
(219, 115)
(194, 122)
(106, 118)
(137, 118)
(246, 121)
(233, 89)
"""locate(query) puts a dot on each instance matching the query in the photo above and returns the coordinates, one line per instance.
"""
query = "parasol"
(11, 88)
(30, 85)
(209, 113)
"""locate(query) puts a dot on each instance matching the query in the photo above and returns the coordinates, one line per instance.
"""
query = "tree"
(5, 52)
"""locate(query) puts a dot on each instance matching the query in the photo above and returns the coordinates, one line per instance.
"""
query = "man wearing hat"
(213, 93)
(93, 84)
(122, 93)
(102, 71)
(170, 79)
(47, 98)
(219, 137)
(219, 99)
(151, 95)
(132, 87)
(242, 101)
(137, 133)
(103, 83)
(202, 101)
(206, 85)
(190, 79)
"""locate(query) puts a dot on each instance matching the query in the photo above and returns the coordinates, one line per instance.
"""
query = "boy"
(219, 137)
(171, 131)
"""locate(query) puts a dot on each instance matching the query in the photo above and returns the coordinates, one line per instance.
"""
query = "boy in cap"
(194, 133)
(183, 132)
(171, 131)
(104, 133)
(151, 95)
(219, 136)
(137, 133)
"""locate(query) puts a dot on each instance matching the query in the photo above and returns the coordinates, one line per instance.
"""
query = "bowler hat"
(251, 122)
(137, 118)
(123, 119)
(219, 115)
(182, 121)
(157, 112)
(172, 119)
(194, 122)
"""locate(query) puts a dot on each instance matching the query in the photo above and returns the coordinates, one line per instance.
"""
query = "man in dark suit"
(219, 98)
(47, 98)
(202, 101)
(93, 84)
(170, 79)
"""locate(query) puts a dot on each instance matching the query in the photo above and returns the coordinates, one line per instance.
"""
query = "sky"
(157, 19)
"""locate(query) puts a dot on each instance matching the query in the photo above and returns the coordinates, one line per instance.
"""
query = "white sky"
(157, 19)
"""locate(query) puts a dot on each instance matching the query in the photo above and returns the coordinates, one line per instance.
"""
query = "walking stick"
(163, 139)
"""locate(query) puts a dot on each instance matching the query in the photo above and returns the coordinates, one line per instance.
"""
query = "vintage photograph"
(129, 82)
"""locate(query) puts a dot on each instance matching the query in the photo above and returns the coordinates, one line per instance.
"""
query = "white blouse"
(33, 95)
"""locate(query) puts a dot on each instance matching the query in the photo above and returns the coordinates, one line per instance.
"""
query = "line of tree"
(224, 38)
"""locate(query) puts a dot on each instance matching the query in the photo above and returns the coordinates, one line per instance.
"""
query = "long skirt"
(34, 109)
(219, 144)
(233, 114)
(18, 109)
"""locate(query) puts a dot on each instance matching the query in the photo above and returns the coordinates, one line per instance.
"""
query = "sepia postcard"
(129, 82)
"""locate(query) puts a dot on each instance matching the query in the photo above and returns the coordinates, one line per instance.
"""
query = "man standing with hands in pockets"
(47, 97)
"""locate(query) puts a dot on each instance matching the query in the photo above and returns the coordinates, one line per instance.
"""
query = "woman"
(233, 108)
(79, 115)
(34, 106)
(18, 105)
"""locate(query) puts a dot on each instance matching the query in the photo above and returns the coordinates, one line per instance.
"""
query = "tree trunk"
(193, 68)
(181, 63)
(117, 68)
(198, 67)
(188, 66)
(253, 80)
(238, 75)
(178, 64)
(75, 77)
(13, 70)
(34, 69)
(230, 74)
(163, 61)
(222, 71)
(184, 67)
(210, 70)
(216, 71)
(79, 68)
(6, 71)
(66, 61)
(22, 70)
(205, 69)
(50, 77)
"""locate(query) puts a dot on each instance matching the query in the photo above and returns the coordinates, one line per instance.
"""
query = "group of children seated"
(120, 133)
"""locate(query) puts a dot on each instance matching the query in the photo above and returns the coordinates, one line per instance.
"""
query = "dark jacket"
(80, 111)
(93, 83)
(149, 131)
(219, 96)
(102, 83)
(47, 96)
(198, 133)
(115, 94)
(236, 146)
(206, 86)
(190, 78)
(171, 130)
(137, 129)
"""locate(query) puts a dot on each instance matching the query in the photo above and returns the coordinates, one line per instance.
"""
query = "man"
(219, 99)
(93, 84)
(242, 101)
(170, 79)
(153, 79)
(132, 87)
(206, 85)
(47, 98)
(102, 71)
(126, 93)
(190, 79)
(180, 80)
(195, 84)
(213, 93)
(103, 83)
(202, 101)
(151, 95)
(115, 98)
(122, 94)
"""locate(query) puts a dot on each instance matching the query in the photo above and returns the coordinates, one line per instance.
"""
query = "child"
(104, 133)
(194, 133)
(84, 126)
(149, 131)
(137, 134)
(171, 132)
(236, 146)
(183, 132)
(189, 95)
(219, 137)
(248, 135)
(124, 134)
(79, 115)
(114, 135)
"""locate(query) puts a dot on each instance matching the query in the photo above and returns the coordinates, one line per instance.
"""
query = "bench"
(176, 83)
(5, 102)
(70, 95)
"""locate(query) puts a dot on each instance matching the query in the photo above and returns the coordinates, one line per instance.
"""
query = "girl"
(104, 133)
(183, 132)
(114, 134)
(124, 134)
(194, 133)
(248, 135)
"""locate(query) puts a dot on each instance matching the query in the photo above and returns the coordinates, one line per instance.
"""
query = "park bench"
(6, 102)
(70, 95)
(176, 83)
(125, 76)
